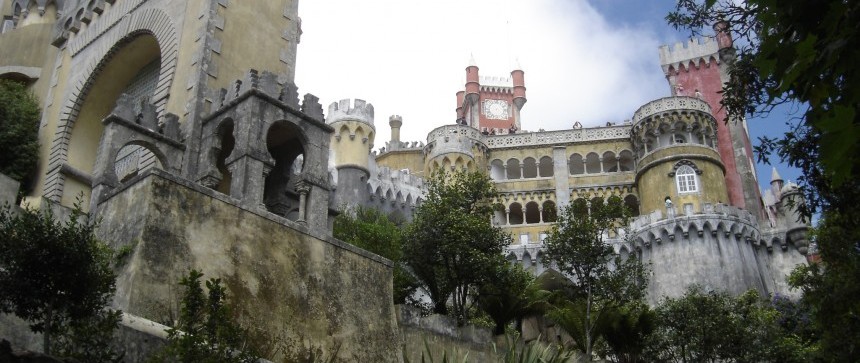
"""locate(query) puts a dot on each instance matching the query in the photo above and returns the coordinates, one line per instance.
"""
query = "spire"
(517, 65)
(774, 175)
(472, 62)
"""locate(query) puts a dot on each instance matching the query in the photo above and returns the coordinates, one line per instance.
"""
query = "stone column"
(561, 174)
(303, 188)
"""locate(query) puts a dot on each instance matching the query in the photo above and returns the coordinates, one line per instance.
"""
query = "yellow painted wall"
(403, 159)
(351, 142)
(251, 39)
(186, 63)
(655, 183)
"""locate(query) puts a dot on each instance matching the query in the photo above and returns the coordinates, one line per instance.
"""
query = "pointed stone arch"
(153, 22)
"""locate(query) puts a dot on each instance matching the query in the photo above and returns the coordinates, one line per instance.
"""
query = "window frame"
(686, 177)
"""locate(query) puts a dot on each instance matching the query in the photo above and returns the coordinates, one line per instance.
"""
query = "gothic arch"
(152, 22)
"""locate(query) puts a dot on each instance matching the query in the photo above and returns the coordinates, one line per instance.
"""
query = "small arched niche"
(285, 144)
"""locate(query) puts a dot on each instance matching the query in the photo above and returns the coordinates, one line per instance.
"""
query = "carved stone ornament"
(682, 163)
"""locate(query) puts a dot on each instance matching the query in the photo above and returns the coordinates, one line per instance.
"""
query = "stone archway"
(147, 36)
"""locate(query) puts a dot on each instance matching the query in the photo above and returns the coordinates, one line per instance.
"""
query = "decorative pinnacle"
(774, 175)
(472, 62)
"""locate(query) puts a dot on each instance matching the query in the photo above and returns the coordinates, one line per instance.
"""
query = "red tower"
(698, 69)
(491, 104)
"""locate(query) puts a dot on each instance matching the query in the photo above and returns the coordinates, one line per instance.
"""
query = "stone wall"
(440, 335)
(305, 292)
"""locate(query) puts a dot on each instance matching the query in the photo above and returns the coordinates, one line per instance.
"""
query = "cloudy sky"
(590, 61)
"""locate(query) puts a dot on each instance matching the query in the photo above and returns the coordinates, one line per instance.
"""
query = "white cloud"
(408, 58)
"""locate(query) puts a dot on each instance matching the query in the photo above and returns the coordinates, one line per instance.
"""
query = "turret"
(674, 139)
(453, 148)
(461, 97)
(353, 133)
(472, 82)
(776, 183)
(395, 121)
(519, 88)
(791, 200)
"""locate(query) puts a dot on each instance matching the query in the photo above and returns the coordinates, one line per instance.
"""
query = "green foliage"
(511, 293)
(91, 339)
(625, 331)
(205, 331)
(57, 276)
(372, 230)
(451, 245)
(601, 280)
(19, 131)
(714, 326)
(805, 53)
(533, 352)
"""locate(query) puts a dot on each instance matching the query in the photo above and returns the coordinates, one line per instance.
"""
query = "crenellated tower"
(699, 68)
(351, 143)
(491, 104)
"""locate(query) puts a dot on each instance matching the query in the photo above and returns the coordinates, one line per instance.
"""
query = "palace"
(180, 125)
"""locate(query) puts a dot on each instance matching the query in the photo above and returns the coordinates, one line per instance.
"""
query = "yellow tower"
(679, 168)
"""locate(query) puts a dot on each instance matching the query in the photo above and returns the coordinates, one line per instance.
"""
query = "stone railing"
(453, 130)
(559, 136)
(670, 103)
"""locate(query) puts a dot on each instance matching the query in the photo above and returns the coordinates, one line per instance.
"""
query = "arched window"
(576, 165)
(529, 168)
(513, 168)
(515, 214)
(497, 170)
(545, 166)
(532, 213)
(685, 178)
(592, 163)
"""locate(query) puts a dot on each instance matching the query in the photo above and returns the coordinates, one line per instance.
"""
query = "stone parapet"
(453, 139)
(558, 137)
(669, 104)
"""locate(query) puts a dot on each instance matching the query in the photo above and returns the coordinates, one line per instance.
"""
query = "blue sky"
(589, 61)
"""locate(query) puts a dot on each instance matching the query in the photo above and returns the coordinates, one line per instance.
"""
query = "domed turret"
(675, 144)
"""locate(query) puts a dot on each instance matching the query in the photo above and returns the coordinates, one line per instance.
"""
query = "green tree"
(805, 53)
(511, 293)
(372, 230)
(205, 332)
(713, 326)
(19, 131)
(601, 280)
(451, 245)
(57, 276)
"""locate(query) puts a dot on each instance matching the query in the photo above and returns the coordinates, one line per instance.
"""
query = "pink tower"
(491, 104)
(698, 69)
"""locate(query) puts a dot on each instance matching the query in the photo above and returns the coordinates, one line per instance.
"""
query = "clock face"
(495, 109)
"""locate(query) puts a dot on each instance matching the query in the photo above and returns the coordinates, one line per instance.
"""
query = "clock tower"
(491, 104)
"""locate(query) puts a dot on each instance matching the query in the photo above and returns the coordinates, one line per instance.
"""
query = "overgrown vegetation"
(805, 53)
(372, 230)
(58, 277)
(206, 331)
(19, 132)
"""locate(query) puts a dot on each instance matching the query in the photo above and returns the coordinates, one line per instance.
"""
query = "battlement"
(267, 85)
(491, 81)
(349, 110)
(692, 50)
(401, 146)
